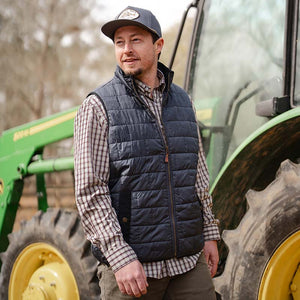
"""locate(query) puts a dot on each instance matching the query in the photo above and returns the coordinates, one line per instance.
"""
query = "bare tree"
(44, 48)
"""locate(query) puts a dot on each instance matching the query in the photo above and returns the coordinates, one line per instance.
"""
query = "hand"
(132, 279)
(212, 256)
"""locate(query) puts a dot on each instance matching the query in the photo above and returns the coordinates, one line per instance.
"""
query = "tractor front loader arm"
(21, 155)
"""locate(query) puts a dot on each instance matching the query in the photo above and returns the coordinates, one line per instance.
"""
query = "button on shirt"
(92, 193)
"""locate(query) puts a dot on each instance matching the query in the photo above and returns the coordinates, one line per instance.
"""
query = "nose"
(128, 48)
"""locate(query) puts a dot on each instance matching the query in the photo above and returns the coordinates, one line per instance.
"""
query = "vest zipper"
(172, 201)
(162, 130)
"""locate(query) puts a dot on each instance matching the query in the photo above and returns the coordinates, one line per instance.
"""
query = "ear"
(159, 45)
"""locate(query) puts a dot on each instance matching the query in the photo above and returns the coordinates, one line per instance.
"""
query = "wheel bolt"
(293, 287)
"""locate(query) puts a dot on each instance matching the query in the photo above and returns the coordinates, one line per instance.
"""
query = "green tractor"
(244, 79)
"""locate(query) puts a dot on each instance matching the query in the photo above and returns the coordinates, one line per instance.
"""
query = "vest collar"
(128, 80)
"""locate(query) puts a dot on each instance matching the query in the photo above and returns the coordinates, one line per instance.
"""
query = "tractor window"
(238, 62)
(297, 83)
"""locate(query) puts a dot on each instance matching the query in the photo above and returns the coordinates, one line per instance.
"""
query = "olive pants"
(195, 284)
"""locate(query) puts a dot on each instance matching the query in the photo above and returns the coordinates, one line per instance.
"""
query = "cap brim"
(110, 28)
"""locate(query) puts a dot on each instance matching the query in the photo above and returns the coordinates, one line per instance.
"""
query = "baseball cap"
(133, 16)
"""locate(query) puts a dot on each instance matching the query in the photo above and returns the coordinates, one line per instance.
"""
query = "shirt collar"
(146, 90)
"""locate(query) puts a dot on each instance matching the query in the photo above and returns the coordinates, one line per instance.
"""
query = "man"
(141, 177)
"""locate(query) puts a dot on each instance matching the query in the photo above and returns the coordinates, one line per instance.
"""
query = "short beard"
(134, 73)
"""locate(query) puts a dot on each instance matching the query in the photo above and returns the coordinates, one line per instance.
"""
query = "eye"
(119, 43)
(136, 40)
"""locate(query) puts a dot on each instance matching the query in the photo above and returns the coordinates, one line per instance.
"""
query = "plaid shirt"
(92, 193)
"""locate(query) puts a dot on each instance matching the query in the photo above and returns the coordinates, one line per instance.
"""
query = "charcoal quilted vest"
(153, 170)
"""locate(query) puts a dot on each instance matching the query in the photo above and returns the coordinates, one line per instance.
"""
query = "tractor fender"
(253, 166)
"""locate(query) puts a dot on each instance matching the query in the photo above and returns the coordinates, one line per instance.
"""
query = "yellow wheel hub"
(281, 278)
(41, 272)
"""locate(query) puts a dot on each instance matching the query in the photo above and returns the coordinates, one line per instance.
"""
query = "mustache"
(129, 58)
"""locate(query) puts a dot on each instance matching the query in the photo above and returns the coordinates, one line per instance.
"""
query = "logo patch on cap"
(129, 14)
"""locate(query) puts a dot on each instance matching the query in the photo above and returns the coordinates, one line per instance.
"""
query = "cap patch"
(129, 14)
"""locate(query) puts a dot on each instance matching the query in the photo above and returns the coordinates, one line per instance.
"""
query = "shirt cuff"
(211, 232)
(119, 258)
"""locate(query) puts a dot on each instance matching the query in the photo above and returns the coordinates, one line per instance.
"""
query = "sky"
(168, 12)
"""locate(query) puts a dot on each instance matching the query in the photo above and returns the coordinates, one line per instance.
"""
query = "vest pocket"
(124, 213)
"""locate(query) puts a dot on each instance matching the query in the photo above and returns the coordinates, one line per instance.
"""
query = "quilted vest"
(153, 171)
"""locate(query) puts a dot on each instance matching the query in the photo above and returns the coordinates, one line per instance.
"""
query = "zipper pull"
(167, 158)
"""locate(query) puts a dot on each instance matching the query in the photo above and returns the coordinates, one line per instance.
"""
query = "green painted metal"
(41, 192)
(52, 165)
(19, 147)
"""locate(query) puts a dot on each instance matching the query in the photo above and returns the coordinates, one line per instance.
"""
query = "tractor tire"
(264, 249)
(49, 258)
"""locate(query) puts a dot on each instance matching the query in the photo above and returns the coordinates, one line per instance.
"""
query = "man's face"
(135, 52)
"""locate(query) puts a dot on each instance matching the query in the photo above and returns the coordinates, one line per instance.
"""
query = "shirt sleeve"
(91, 166)
(210, 226)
